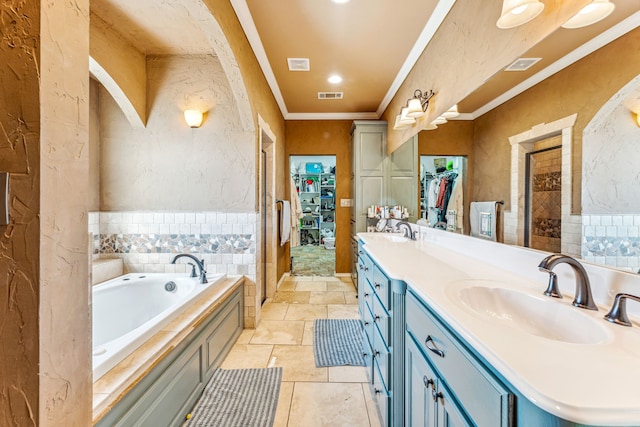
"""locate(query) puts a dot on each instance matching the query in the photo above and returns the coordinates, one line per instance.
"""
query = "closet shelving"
(317, 199)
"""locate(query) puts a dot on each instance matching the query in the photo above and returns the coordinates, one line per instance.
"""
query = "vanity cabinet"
(379, 300)
(378, 178)
(445, 384)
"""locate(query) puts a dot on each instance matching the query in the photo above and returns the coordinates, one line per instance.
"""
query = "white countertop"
(594, 384)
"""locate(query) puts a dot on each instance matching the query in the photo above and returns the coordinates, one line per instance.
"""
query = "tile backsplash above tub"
(147, 241)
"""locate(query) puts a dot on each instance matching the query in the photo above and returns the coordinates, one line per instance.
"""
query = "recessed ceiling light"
(335, 79)
(340, 1)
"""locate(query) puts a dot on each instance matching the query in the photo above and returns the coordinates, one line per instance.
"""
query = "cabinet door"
(403, 177)
(448, 413)
(370, 151)
(420, 385)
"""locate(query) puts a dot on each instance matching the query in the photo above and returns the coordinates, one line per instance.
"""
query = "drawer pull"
(366, 294)
(366, 269)
(376, 285)
(366, 323)
(377, 391)
(437, 395)
(376, 354)
(377, 319)
(361, 252)
(433, 347)
(428, 382)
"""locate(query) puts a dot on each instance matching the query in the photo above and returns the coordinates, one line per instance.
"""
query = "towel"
(296, 214)
(285, 222)
(482, 219)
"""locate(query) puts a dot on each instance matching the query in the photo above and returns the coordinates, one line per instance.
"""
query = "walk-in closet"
(313, 182)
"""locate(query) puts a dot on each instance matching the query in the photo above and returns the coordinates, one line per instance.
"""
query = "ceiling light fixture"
(340, 1)
(193, 118)
(595, 11)
(518, 12)
(417, 106)
(335, 79)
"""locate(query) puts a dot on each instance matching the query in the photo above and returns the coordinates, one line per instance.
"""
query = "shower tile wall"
(546, 202)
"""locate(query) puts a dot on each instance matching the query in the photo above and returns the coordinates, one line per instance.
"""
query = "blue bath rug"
(337, 342)
(238, 398)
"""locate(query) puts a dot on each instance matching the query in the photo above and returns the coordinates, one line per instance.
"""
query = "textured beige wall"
(581, 88)
(94, 147)
(65, 322)
(124, 64)
(480, 50)
(19, 252)
(167, 165)
(328, 137)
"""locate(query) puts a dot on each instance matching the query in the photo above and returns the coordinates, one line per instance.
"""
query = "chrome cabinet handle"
(428, 382)
(377, 319)
(437, 395)
(366, 294)
(377, 391)
(433, 347)
(376, 285)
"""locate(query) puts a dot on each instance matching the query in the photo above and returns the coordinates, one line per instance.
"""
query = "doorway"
(543, 196)
(313, 234)
(442, 174)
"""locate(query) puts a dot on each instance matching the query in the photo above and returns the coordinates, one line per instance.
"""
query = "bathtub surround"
(147, 241)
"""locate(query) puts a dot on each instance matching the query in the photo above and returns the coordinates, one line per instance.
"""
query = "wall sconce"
(595, 11)
(637, 118)
(417, 105)
(193, 118)
(451, 112)
(439, 121)
(403, 120)
(518, 12)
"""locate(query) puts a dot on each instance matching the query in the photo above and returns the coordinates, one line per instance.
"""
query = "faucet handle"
(618, 312)
(193, 269)
(553, 290)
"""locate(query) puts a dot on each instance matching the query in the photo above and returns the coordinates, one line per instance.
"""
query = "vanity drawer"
(382, 319)
(366, 265)
(368, 323)
(367, 355)
(380, 284)
(367, 294)
(485, 400)
(382, 359)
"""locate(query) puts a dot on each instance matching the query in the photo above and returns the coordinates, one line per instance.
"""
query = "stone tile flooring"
(313, 261)
(309, 396)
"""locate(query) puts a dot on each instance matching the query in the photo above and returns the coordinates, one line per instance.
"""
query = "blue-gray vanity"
(440, 350)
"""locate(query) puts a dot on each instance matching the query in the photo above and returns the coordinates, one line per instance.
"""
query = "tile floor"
(309, 396)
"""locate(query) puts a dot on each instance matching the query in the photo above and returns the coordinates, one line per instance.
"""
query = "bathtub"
(130, 309)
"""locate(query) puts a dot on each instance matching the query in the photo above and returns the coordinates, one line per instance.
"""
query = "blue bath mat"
(337, 342)
(238, 398)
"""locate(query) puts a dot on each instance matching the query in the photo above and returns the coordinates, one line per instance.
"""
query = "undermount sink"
(535, 315)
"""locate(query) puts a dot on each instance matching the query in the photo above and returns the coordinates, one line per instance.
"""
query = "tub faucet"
(199, 263)
(583, 298)
(407, 232)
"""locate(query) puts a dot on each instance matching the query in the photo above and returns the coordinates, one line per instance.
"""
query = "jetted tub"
(130, 309)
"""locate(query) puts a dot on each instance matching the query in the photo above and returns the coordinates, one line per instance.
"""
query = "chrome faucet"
(199, 263)
(407, 229)
(618, 312)
(583, 298)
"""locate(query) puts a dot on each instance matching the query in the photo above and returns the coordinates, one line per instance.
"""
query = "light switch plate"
(345, 203)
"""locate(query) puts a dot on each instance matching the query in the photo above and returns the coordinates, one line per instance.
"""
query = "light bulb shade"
(439, 121)
(398, 125)
(518, 12)
(595, 11)
(414, 108)
(193, 118)
(638, 118)
(431, 126)
(451, 112)
(404, 119)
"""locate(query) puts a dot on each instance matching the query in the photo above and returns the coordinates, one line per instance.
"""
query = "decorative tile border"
(613, 240)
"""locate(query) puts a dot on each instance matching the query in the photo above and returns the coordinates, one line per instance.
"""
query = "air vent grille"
(298, 64)
(522, 64)
(330, 95)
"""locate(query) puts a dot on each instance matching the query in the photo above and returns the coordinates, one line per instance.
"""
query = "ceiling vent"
(298, 64)
(522, 64)
(330, 95)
